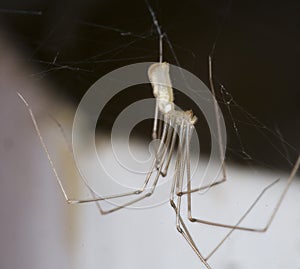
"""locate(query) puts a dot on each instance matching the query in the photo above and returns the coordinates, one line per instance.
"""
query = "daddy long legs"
(175, 135)
(176, 132)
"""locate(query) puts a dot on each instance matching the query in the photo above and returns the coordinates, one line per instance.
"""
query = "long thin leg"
(222, 225)
(202, 187)
(166, 167)
(180, 169)
(189, 191)
(148, 194)
(158, 149)
(188, 176)
(236, 226)
(162, 139)
(192, 219)
(177, 164)
(95, 198)
(174, 182)
(70, 151)
(187, 236)
(181, 227)
(155, 131)
(104, 212)
(59, 181)
(275, 210)
(171, 130)
(279, 202)
(220, 139)
(151, 191)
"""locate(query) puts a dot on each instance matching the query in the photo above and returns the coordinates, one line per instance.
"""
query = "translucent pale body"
(162, 90)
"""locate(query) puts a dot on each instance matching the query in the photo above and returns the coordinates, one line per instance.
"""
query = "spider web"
(80, 44)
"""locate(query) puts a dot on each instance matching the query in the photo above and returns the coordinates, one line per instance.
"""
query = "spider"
(178, 126)
(175, 138)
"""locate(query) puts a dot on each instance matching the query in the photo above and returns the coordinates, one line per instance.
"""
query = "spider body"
(159, 77)
(158, 74)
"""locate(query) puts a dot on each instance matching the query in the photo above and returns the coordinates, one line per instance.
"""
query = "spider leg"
(178, 163)
(224, 177)
(155, 132)
(162, 139)
(152, 188)
(158, 150)
(59, 181)
(236, 226)
(275, 210)
(219, 136)
(166, 167)
(217, 115)
(222, 225)
(180, 169)
(218, 182)
(183, 230)
(251, 229)
(178, 179)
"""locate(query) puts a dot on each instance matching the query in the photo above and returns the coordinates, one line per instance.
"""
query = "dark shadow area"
(73, 43)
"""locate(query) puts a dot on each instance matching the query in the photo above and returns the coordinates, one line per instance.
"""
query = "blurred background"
(53, 51)
(73, 43)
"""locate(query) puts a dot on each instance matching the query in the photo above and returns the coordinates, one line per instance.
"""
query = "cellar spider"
(175, 133)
